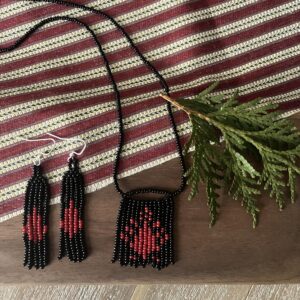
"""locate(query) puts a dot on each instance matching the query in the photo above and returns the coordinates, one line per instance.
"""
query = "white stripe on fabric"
(168, 50)
(68, 118)
(106, 157)
(126, 18)
(106, 181)
(215, 57)
(164, 28)
(99, 133)
(180, 69)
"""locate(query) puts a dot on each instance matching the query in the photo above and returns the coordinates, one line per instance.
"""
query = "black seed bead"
(161, 79)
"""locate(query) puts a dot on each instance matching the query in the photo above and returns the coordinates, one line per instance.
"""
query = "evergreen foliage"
(245, 146)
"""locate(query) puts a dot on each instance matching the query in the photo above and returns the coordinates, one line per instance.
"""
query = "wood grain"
(230, 252)
(152, 292)
(296, 116)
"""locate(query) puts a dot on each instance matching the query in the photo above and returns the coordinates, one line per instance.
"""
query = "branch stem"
(187, 110)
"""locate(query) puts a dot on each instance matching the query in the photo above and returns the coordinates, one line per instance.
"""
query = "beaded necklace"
(144, 231)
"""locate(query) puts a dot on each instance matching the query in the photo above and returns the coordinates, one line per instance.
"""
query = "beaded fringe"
(144, 233)
(35, 220)
(72, 237)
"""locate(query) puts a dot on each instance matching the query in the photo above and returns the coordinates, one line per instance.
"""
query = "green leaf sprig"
(227, 137)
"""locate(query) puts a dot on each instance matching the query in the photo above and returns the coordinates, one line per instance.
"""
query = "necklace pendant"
(144, 232)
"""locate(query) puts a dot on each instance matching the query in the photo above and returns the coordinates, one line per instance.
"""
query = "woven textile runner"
(56, 82)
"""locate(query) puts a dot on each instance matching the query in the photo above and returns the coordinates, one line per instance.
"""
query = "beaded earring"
(72, 237)
(35, 217)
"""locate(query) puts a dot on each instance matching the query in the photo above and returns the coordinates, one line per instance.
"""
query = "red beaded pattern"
(144, 231)
(72, 241)
(35, 220)
(148, 239)
(71, 223)
(34, 228)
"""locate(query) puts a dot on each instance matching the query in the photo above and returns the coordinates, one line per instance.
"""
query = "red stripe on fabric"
(36, 13)
(290, 105)
(172, 81)
(89, 123)
(30, 15)
(108, 143)
(138, 159)
(201, 50)
(105, 171)
(67, 27)
(164, 62)
(72, 48)
(224, 84)
(200, 26)
(84, 103)
(275, 90)
(91, 19)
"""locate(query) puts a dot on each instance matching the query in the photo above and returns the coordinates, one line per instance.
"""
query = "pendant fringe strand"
(144, 233)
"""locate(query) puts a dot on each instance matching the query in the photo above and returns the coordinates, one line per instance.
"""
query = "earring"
(72, 237)
(35, 217)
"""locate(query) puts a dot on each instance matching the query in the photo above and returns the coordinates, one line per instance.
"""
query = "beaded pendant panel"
(35, 220)
(144, 233)
(72, 237)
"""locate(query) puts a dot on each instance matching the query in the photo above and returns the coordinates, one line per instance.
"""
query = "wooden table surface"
(230, 252)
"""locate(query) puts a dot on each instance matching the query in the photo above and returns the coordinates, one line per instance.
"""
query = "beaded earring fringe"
(72, 237)
(144, 233)
(35, 220)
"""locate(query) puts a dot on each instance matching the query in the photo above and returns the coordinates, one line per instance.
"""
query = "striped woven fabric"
(57, 83)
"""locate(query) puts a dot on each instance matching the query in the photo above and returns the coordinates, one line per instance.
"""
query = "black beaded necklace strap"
(144, 233)
(162, 82)
(72, 241)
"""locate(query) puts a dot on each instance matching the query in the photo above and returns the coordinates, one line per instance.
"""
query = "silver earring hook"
(43, 154)
(71, 139)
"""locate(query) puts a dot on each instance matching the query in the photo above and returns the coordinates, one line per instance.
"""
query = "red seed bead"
(122, 236)
(80, 224)
(166, 237)
(126, 228)
(76, 220)
(66, 227)
(45, 229)
(158, 223)
(39, 229)
(34, 221)
(126, 239)
(157, 248)
(157, 234)
(61, 224)
(131, 221)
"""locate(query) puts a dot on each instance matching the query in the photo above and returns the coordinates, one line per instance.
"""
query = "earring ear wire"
(43, 154)
(71, 139)
(72, 234)
(35, 216)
